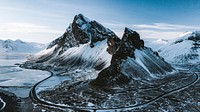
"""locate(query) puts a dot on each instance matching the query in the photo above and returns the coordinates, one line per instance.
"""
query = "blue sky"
(45, 20)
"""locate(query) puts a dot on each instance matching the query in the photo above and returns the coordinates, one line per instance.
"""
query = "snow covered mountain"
(83, 44)
(155, 44)
(132, 61)
(100, 66)
(18, 46)
(87, 44)
(186, 49)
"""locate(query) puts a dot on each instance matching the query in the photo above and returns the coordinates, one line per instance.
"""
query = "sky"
(45, 20)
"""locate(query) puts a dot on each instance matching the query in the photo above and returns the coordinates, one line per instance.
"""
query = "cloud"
(27, 28)
(29, 32)
(165, 26)
(169, 35)
(155, 30)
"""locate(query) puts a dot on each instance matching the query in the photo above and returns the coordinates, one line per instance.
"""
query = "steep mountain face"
(132, 60)
(186, 49)
(84, 44)
(18, 46)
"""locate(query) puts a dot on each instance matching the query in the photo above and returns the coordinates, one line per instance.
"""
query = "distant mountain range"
(18, 46)
(185, 49)
(155, 44)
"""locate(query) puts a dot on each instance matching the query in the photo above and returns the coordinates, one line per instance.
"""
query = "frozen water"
(12, 75)
(18, 80)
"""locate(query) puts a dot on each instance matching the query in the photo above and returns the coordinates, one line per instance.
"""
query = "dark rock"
(124, 66)
(81, 31)
(110, 77)
(11, 101)
(195, 36)
(113, 43)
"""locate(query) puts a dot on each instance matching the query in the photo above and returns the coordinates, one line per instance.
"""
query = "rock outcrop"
(132, 60)
(83, 44)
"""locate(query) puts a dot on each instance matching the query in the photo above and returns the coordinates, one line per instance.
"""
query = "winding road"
(3, 104)
(33, 96)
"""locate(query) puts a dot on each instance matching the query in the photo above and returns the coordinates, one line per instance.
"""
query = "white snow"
(18, 46)
(43, 110)
(155, 44)
(17, 80)
(138, 60)
(51, 82)
(46, 51)
(90, 104)
(21, 77)
(95, 54)
(179, 50)
(12, 75)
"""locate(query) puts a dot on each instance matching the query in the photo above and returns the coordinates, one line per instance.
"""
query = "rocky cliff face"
(83, 43)
(87, 44)
(132, 60)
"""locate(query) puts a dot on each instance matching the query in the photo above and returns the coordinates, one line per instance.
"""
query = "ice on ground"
(21, 77)
(11, 75)
(51, 82)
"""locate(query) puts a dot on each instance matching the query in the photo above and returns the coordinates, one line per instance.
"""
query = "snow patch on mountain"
(82, 56)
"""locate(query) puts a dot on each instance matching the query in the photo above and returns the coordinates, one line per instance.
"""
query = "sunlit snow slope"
(186, 49)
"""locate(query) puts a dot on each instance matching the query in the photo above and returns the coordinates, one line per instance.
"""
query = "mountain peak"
(86, 31)
(19, 46)
(188, 46)
(195, 36)
(87, 36)
(80, 19)
(133, 37)
(132, 59)
(128, 30)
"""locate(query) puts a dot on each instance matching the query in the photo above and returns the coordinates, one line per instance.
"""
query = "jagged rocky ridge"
(83, 44)
(188, 46)
(132, 60)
